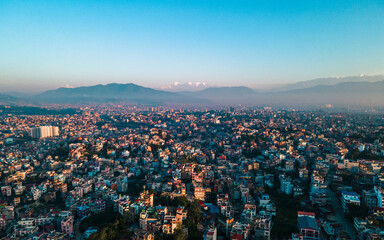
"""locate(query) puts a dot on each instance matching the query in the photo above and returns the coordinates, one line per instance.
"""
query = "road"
(339, 212)
(76, 228)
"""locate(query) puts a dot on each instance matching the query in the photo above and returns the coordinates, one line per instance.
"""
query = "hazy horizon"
(36, 88)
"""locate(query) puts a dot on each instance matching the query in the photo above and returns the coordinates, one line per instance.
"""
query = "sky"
(49, 44)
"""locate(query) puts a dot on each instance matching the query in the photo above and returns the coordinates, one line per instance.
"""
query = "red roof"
(378, 209)
(311, 214)
(235, 236)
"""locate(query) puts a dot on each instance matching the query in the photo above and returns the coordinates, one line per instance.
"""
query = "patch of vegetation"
(285, 222)
(356, 211)
(111, 225)
(103, 219)
(177, 235)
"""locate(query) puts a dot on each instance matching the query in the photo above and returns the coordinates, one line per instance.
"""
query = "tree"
(355, 211)
(179, 234)
(112, 230)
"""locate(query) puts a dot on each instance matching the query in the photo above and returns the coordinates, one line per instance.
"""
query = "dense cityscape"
(192, 120)
(119, 172)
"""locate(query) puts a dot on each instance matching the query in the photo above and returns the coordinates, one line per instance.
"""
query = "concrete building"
(349, 198)
(379, 195)
(210, 234)
(44, 131)
(308, 227)
(67, 225)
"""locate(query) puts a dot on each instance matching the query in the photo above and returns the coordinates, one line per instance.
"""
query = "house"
(210, 234)
(170, 223)
(378, 212)
(319, 199)
(23, 231)
(240, 231)
(308, 227)
(141, 234)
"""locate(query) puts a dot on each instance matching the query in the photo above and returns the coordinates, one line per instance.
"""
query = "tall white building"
(379, 195)
(44, 131)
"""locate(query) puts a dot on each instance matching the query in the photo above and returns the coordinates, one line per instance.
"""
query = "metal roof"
(307, 222)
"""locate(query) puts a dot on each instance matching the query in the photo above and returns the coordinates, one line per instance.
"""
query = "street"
(339, 212)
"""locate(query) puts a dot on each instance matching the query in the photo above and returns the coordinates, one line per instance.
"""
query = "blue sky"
(47, 44)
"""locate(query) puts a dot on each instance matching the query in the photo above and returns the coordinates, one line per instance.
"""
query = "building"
(141, 234)
(44, 131)
(67, 225)
(378, 213)
(146, 198)
(349, 198)
(199, 193)
(360, 225)
(3, 221)
(82, 211)
(210, 234)
(36, 193)
(262, 226)
(286, 185)
(308, 227)
(379, 196)
(264, 199)
(122, 186)
(320, 199)
(170, 223)
(6, 191)
(24, 231)
(240, 231)
(369, 198)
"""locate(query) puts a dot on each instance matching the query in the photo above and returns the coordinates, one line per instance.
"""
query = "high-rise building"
(44, 131)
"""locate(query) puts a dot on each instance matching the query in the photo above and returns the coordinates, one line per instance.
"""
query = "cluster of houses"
(236, 164)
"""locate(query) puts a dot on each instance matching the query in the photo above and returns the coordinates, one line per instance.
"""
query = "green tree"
(179, 234)
(356, 211)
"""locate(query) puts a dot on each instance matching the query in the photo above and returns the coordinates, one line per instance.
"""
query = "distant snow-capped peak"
(188, 86)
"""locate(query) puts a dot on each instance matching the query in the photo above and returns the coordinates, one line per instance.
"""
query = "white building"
(26, 222)
(349, 198)
(44, 132)
(379, 195)
(36, 193)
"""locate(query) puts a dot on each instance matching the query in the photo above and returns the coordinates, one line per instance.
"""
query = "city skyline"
(224, 43)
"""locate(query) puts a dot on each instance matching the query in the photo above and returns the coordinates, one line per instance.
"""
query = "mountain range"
(326, 81)
(320, 93)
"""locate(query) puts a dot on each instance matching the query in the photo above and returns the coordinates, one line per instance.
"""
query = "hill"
(364, 94)
(113, 93)
(327, 81)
